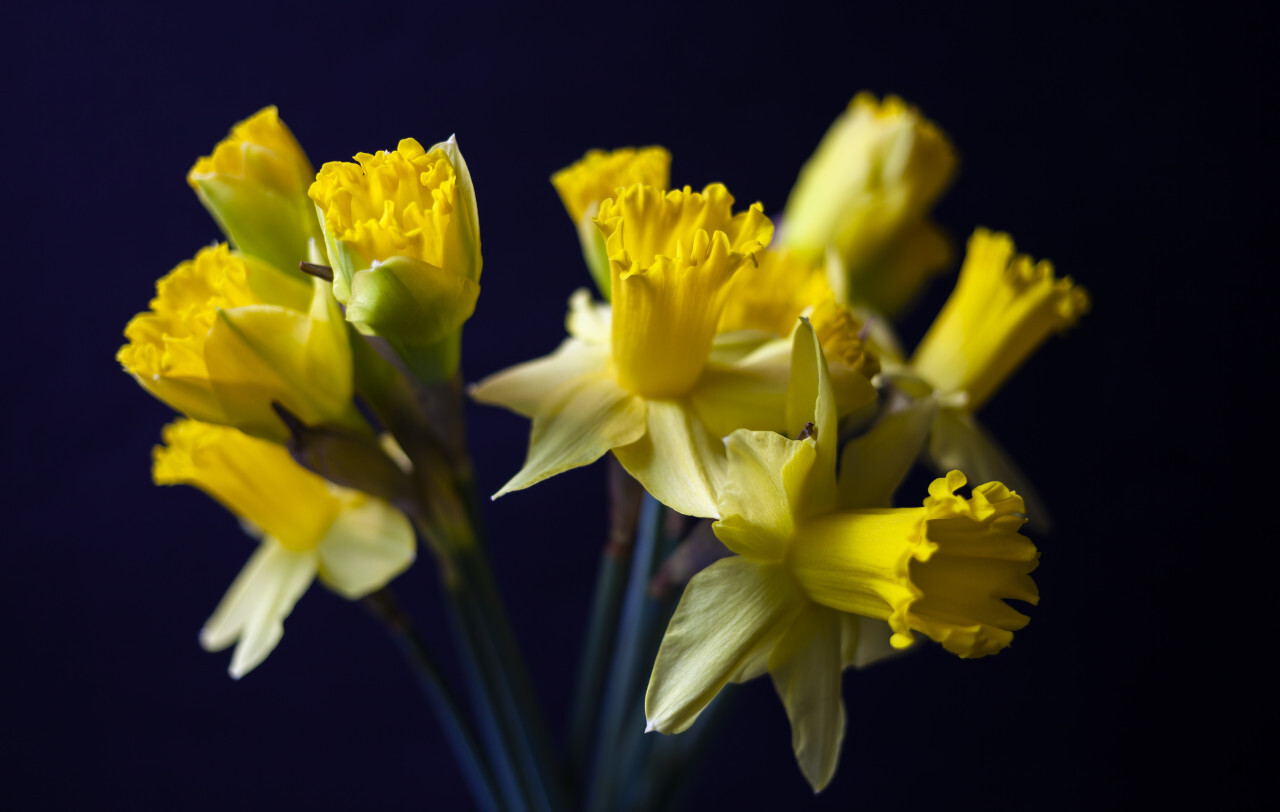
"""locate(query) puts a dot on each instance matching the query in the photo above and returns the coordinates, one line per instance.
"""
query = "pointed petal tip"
(649, 726)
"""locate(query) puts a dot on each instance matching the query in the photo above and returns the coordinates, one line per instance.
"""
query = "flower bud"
(255, 185)
(403, 238)
(866, 191)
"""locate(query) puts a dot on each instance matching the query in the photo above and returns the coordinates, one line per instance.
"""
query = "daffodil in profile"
(254, 183)
(586, 183)
(649, 378)
(308, 528)
(866, 192)
(813, 580)
(403, 237)
(1003, 307)
(214, 349)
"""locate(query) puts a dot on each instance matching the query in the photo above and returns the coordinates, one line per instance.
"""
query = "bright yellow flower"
(1003, 307)
(867, 190)
(212, 349)
(649, 379)
(353, 542)
(811, 577)
(403, 237)
(255, 185)
(598, 176)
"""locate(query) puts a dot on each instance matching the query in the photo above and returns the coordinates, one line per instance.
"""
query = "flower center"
(390, 203)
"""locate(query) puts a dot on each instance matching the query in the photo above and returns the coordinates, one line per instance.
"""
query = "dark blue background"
(1132, 146)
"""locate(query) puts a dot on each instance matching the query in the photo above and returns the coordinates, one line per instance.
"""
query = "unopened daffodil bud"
(583, 185)
(255, 185)
(353, 542)
(867, 190)
(211, 348)
(403, 238)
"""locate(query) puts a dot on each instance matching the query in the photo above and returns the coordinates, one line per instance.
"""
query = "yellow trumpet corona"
(811, 578)
(309, 527)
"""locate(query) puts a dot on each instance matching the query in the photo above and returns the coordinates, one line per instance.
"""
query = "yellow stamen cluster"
(169, 339)
(1003, 307)
(390, 203)
(840, 334)
(672, 256)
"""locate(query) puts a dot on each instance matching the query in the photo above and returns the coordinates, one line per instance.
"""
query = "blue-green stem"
(462, 741)
(512, 687)
(623, 719)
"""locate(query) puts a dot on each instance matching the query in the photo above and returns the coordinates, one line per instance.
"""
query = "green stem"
(514, 688)
(475, 771)
(619, 712)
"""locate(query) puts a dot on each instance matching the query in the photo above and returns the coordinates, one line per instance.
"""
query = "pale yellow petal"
(368, 544)
(581, 420)
(588, 320)
(873, 466)
(866, 641)
(677, 460)
(253, 611)
(729, 613)
(749, 394)
(805, 666)
(810, 400)
(528, 388)
(764, 481)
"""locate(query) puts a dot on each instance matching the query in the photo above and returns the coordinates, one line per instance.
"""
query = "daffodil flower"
(650, 379)
(583, 185)
(308, 527)
(810, 577)
(403, 237)
(866, 192)
(254, 183)
(1003, 307)
(215, 350)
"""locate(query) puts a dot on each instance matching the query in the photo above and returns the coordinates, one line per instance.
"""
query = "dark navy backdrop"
(1125, 144)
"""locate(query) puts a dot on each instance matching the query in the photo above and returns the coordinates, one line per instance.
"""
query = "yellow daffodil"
(599, 175)
(211, 348)
(255, 185)
(811, 574)
(353, 542)
(867, 191)
(1003, 307)
(403, 237)
(649, 378)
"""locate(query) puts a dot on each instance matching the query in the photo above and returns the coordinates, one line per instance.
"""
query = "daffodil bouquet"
(743, 372)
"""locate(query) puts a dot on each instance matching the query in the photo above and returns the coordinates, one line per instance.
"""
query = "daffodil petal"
(766, 475)
(527, 388)
(811, 400)
(749, 394)
(729, 613)
(866, 641)
(677, 460)
(582, 420)
(366, 546)
(873, 466)
(959, 442)
(589, 320)
(254, 608)
(805, 666)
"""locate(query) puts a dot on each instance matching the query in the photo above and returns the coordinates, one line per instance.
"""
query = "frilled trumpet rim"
(1003, 307)
(390, 203)
(943, 570)
(599, 175)
(262, 149)
(672, 257)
